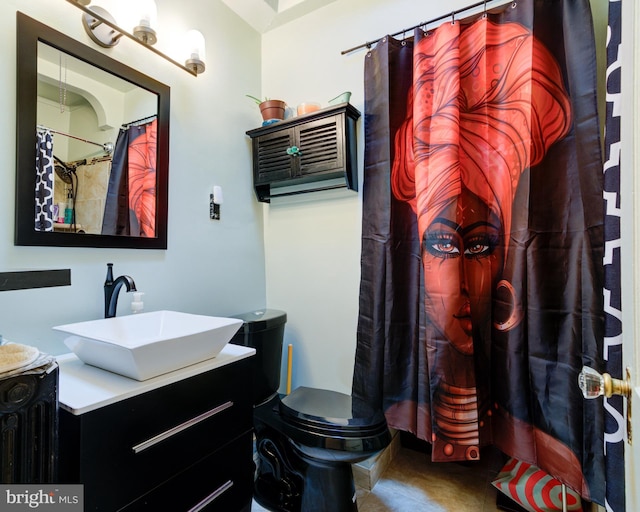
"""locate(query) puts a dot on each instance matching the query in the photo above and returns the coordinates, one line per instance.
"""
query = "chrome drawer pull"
(179, 428)
(212, 497)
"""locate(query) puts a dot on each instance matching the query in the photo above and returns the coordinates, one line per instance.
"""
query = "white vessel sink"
(146, 345)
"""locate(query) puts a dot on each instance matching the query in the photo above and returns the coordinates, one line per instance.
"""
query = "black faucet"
(112, 288)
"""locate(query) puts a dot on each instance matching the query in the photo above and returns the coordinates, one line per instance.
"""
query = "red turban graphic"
(488, 101)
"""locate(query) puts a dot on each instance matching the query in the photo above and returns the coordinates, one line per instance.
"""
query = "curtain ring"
(404, 35)
(514, 4)
(453, 17)
(484, 13)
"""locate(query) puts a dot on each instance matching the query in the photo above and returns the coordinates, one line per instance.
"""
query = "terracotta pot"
(272, 109)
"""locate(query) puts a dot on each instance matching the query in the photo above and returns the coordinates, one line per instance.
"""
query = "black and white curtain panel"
(44, 181)
(614, 419)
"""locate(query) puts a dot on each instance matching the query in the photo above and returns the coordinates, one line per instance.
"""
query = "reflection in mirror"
(97, 170)
(78, 106)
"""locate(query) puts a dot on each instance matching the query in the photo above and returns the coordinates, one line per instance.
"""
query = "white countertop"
(84, 388)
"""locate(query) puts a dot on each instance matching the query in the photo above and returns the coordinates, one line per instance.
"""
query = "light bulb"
(147, 13)
(194, 41)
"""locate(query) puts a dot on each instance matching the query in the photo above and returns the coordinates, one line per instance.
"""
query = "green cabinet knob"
(293, 151)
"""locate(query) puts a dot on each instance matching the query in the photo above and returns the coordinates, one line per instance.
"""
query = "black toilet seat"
(324, 409)
(327, 420)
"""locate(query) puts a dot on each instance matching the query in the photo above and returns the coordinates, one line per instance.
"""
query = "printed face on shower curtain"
(461, 267)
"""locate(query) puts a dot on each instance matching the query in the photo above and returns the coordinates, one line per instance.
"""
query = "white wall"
(210, 267)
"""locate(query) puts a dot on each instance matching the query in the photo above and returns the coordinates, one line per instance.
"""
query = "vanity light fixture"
(194, 43)
(148, 15)
(103, 30)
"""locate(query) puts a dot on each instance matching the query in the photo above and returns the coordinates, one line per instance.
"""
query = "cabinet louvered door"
(271, 160)
(321, 148)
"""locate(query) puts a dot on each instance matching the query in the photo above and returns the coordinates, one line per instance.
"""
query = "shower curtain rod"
(107, 147)
(131, 123)
(452, 14)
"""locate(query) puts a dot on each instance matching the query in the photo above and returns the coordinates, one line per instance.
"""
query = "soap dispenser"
(137, 306)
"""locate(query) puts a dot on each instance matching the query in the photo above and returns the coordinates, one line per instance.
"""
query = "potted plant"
(270, 109)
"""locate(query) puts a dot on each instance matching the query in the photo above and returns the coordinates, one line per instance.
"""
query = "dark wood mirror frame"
(29, 33)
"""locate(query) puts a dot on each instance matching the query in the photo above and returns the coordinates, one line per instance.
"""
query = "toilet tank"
(264, 331)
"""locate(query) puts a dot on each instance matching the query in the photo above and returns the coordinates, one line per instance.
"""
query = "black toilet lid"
(321, 406)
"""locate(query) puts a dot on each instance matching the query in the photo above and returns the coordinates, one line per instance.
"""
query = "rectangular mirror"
(92, 148)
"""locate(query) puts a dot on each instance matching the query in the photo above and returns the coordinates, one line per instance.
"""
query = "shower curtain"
(482, 244)
(44, 181)
(130, 207)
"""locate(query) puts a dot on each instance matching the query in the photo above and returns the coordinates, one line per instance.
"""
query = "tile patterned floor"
(412, 483)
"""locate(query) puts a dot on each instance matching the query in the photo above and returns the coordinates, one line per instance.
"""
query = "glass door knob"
(594, 384)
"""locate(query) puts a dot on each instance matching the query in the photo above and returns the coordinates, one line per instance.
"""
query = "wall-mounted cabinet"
(305, 152)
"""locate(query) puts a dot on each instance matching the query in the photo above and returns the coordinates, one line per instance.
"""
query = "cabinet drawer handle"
(179, 428)
(212, 497)
(293, 151)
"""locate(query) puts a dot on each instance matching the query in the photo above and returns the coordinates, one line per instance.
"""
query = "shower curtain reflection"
(131, 197)
(44, 181)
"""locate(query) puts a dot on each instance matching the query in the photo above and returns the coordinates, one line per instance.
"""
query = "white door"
(630, 204)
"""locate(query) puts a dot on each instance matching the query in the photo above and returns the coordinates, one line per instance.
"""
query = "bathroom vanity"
(179, 441)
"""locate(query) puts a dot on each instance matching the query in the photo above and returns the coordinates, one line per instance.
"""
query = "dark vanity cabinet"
(306, 150)
(185, 446)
